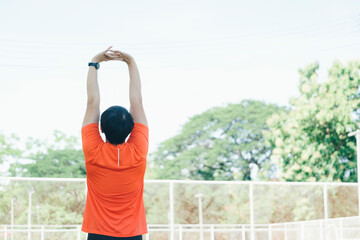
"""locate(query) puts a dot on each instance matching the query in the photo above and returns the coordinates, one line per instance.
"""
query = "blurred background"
(233, 90)
(194, 57)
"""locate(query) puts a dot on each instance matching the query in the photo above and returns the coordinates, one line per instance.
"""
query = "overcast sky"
(192, 55)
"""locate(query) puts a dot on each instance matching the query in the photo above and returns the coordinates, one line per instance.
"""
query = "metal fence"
(186, 208)
(42, 232)
(325, 229)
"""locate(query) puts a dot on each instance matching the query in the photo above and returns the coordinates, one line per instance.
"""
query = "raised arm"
(136, 106)
(92, 113)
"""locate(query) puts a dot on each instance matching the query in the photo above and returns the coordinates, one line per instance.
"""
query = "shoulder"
(141, 127)
(139, 139)
(91, 138)
(140, 131)
(90, 126)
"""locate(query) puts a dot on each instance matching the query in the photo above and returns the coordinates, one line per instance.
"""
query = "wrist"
(94, 60)
(131, 60)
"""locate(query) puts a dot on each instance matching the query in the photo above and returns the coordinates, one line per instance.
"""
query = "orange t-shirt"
(115, 183)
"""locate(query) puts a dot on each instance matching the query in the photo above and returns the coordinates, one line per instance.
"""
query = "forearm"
(93, 92)
(135, 84)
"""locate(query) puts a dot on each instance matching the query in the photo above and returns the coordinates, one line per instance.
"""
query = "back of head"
(117, 123)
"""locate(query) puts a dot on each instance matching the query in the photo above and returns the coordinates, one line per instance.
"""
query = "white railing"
(173, 228)
(14, 232)
(325, 229)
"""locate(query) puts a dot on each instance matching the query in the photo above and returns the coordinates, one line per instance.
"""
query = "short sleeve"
(91, 139)
(139, 138)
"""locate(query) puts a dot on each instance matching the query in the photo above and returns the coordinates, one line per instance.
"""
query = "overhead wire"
(314, 29)
(340, 28)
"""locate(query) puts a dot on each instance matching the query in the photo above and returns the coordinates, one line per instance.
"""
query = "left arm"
(92, 113)
(136, 106)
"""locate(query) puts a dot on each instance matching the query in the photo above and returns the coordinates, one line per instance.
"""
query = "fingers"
(111, 56)
(107, 56)
(108, 49)
(115, 51)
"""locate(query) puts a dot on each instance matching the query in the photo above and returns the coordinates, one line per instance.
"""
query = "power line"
(348, 23)
(345, 27)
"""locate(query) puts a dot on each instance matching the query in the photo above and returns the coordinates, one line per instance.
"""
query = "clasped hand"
(109, 55)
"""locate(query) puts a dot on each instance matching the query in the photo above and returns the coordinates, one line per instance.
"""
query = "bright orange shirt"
(115, 183)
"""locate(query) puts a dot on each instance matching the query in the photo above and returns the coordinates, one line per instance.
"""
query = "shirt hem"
(112, 234)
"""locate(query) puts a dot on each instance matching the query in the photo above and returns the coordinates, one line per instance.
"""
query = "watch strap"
(95, 64)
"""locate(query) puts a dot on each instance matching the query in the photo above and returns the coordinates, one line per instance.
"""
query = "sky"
(192, 55)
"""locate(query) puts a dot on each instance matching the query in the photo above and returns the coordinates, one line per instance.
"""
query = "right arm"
(92, 113)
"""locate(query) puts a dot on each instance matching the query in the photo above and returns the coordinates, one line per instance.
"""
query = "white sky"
(192, 55)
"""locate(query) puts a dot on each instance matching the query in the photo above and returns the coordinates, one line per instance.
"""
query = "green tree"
(9, 147)
(223, 143)
(310, 142)
(63, 158)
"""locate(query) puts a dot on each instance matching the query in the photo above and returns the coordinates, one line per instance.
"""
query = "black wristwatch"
(96, 65)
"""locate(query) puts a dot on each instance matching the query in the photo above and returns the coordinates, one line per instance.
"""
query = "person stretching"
(115, 168)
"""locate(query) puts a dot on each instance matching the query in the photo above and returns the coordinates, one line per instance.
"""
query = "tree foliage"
(9, 147)
(62, 158)
(310, 142)
(223, 143)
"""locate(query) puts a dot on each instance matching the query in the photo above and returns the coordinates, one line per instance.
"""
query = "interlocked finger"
(115, 51)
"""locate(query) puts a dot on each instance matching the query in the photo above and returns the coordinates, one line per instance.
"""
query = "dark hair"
(117, 123)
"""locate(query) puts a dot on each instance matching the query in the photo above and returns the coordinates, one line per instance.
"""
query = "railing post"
(326, 229)
(12, 218)
(326, 212)
(302, 231)
(321, 230)
(270, 232)
(78, 232)
(243, 232)
(251, 192)
(180, 232)
(341, 228)
(212, 234)
(42, 232)
(198, 196)
(31, 192)
(147, 236)
(286, 233)
(171, 192)
(5, 233)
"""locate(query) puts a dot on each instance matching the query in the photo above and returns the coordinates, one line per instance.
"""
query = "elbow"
(136, 101)
(91, 102)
